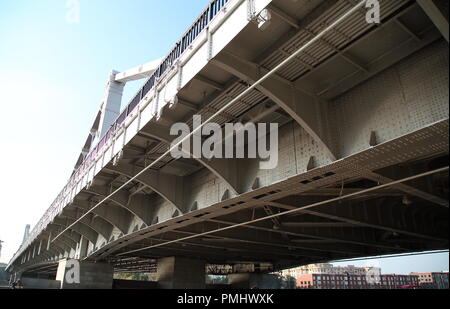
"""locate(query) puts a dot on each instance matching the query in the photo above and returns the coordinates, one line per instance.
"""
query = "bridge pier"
(75, 274)
(31, 283)
(252, 281)
(181, 273)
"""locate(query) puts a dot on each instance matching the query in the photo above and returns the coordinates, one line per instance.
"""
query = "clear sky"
(52, 77)
(435, 262)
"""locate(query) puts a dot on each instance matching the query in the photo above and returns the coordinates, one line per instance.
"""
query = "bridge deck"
(366, 105)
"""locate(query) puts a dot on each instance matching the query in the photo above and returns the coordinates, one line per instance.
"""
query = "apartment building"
(351, 281)
(325, 268)
(433, 280)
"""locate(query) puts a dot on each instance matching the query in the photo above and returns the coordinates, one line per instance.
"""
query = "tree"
(288, 282)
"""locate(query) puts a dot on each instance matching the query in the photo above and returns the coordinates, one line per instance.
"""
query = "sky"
(53, 73)
(435, 262)
(54, 64)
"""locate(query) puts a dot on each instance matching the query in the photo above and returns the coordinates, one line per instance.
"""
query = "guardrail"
(186, 40)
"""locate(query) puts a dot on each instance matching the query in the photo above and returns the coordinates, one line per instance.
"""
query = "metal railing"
(186, 40)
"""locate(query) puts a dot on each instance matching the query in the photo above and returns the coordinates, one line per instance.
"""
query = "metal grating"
(342, 36)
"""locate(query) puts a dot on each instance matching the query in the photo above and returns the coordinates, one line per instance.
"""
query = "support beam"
(435, 9)
(167, 186)
(261, 239)
(143, 71)
(51, 251)
(209, 82)
(353, 220)
(98, 224)
(110, 108)
(224, 169)
(116, 215)
(307, 110)
(312, 238)
(122, 199)
(82, 251)
(284, 16)
(408, 189)
(65, 242)
(317, 224)
(81, 229)
(345, 191)
(59, 247)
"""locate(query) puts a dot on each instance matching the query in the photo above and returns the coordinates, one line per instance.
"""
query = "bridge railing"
(180, 47)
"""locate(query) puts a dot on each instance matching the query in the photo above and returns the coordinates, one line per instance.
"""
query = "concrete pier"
(181, 273)
(75, 274)
(253, 281)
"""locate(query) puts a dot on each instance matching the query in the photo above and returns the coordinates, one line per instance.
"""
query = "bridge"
(362, 169)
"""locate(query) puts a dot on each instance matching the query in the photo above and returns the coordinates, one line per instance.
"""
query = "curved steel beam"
(226, 170)
(68, 241)
(302, 107)
(81, 229)
(61, 246)
(54, 248)
(117, 216)
(98, 224)
(122, 199)
(167, 186)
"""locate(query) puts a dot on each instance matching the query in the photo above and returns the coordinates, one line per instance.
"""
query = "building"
(433, 280)
(332, 281)
(351, 281)
(394, 281)
(325, 268)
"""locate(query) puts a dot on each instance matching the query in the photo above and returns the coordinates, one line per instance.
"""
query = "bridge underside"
(365, 106)
(405, 218)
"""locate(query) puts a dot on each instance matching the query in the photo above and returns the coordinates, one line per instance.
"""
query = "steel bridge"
(363, 146)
